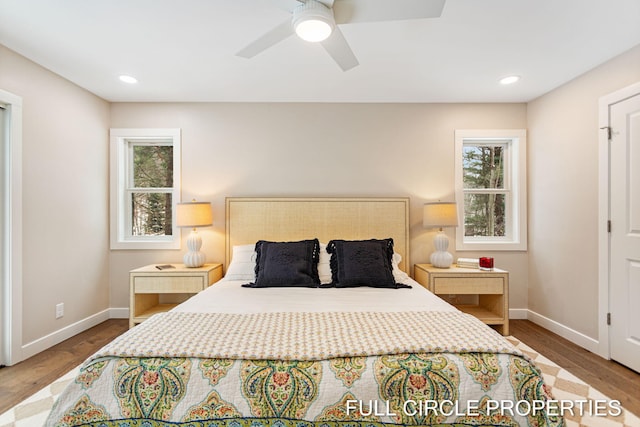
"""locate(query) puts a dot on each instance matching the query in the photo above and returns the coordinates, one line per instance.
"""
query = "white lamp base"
(194, 258)
(441, 258)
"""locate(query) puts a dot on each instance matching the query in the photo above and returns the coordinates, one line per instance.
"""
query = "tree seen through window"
(151, 196)
(484, 190)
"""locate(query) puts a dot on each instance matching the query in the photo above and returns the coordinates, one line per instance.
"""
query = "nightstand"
(489, 288)
(148, 286)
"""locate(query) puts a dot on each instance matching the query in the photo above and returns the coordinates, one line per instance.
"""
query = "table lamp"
(194, 214)
(440, 215)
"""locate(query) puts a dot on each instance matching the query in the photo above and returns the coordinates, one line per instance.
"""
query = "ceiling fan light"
(313, 21)
(313, 30)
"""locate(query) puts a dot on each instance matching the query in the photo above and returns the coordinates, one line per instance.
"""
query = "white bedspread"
(227, 296)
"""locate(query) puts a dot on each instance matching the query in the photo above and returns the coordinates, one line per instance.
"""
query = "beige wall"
(563, 194)
(65, 198)
(244, 149)
(301, 149)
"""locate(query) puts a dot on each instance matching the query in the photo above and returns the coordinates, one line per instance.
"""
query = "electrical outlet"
(59, 310)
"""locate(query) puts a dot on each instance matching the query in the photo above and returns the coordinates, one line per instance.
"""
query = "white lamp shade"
(194, 214)
(440, 214)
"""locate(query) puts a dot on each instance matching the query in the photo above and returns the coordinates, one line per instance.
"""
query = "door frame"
(11, 279)
(604, 199)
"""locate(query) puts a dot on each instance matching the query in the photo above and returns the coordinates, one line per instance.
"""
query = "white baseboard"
(518, 313)
(119, 313)
(566, 332)
(41, 344)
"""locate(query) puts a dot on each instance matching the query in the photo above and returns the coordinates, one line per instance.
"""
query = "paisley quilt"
(307, 369)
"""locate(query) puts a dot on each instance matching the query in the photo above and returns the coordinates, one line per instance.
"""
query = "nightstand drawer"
(168, 284)
(148, 284)
(486, 293)
(466, 285)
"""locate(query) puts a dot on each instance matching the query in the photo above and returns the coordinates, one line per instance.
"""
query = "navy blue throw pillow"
(362, 263)
(287, 264)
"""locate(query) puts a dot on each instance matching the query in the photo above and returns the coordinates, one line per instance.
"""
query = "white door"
(3, 240)
(624, 185)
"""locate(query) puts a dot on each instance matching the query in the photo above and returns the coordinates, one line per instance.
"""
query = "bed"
(241, 356)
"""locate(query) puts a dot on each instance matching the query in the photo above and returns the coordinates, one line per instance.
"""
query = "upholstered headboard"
(288, 219)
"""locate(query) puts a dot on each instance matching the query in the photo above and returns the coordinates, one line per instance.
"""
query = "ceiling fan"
(319, 20)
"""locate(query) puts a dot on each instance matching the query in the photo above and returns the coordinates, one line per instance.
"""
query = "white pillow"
(243, 263)
(399, 275)
(324, 265)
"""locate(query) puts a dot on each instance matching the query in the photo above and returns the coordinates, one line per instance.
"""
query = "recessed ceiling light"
(509, 80)
(128, 79)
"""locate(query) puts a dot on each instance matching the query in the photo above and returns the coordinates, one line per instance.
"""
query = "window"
(491, 189)
(145, 187)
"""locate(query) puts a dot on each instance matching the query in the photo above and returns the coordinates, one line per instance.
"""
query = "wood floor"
(25, 378)
(611, 378)
(614, 380)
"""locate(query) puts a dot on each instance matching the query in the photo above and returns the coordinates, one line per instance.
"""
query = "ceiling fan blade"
(267, 40)
(348, 11)
(336, 46)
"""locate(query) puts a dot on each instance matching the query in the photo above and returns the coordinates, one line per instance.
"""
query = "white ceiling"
(184, 50)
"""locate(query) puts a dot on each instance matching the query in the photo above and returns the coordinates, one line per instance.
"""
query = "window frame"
(514, 183)
(121, 150)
